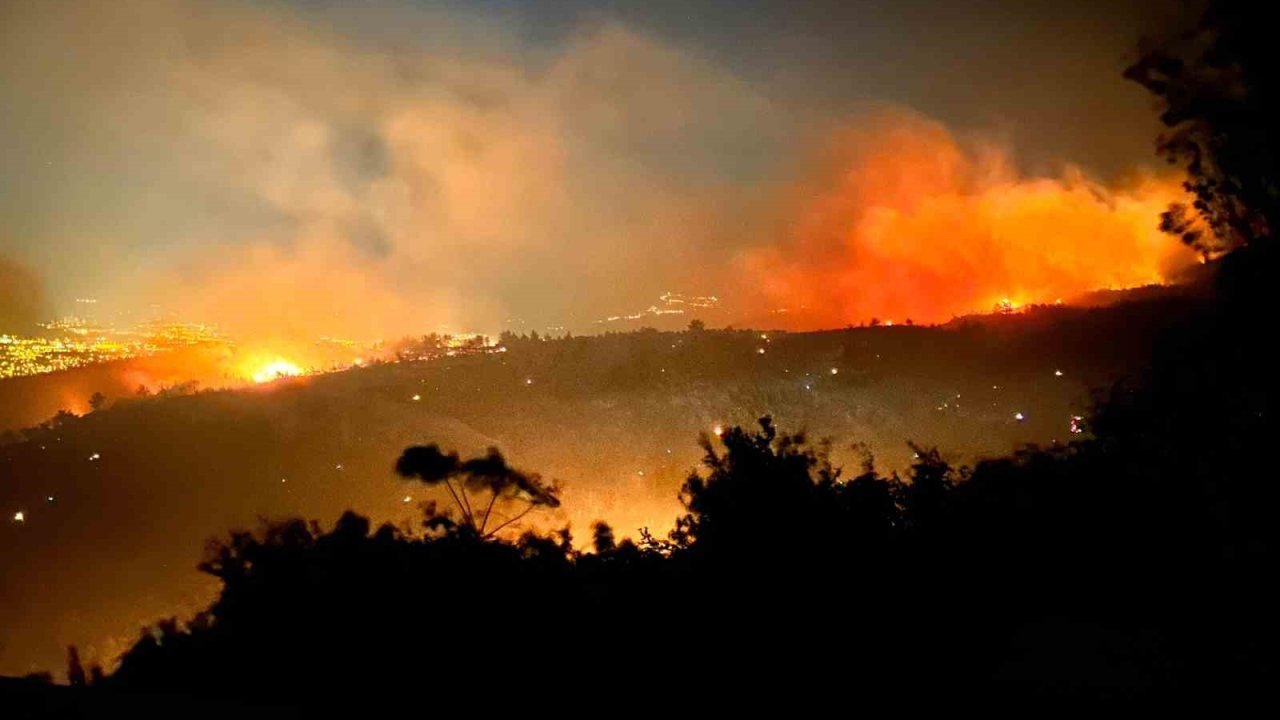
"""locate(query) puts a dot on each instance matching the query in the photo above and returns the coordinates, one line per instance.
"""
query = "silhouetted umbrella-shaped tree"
(486, 474)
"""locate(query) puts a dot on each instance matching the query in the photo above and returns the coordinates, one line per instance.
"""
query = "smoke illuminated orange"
(905, 222)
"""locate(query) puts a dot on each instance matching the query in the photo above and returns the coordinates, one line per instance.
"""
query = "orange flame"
(904, 222)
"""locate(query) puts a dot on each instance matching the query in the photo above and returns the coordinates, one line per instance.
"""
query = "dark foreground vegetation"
(1137, 562)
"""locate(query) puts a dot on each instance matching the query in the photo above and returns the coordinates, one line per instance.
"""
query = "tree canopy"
(1219, 104)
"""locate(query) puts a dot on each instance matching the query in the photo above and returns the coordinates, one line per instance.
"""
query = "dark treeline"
(1131, 563)
(1134, 562)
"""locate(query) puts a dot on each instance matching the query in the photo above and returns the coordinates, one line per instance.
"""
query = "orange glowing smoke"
(904, 222)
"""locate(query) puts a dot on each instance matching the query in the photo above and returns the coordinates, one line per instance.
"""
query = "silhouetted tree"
(1217, 88)
(75, 670)
(602, 538)
(499, 485)
(926, 496)
(61, 418)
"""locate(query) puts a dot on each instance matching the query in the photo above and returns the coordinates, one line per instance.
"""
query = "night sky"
(377, 168)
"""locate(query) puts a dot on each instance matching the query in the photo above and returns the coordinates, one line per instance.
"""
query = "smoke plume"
(901, 220)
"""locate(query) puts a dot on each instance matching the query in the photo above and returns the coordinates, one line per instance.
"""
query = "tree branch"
(508, 522)
(462, 488)
(493, 497)
(465, 515)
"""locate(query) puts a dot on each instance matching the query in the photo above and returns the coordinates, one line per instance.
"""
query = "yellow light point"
(416, 398)
(19, 517)
(718, 430)
(835, 371)
(276, 369)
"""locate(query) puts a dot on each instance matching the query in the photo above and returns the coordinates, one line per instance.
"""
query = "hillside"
(118, 503)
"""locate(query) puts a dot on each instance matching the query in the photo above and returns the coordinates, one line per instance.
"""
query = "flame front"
(905, 222)
(276, 369)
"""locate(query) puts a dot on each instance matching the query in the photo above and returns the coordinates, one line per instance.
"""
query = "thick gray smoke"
(242, 165)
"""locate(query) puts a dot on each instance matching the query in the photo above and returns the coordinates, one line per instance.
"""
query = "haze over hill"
(118, 503)
(555, 163)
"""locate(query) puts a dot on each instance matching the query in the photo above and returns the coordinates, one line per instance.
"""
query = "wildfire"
(905, 221)
(274, 370)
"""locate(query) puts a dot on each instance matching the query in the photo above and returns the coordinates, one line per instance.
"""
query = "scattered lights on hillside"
(1077, 424)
